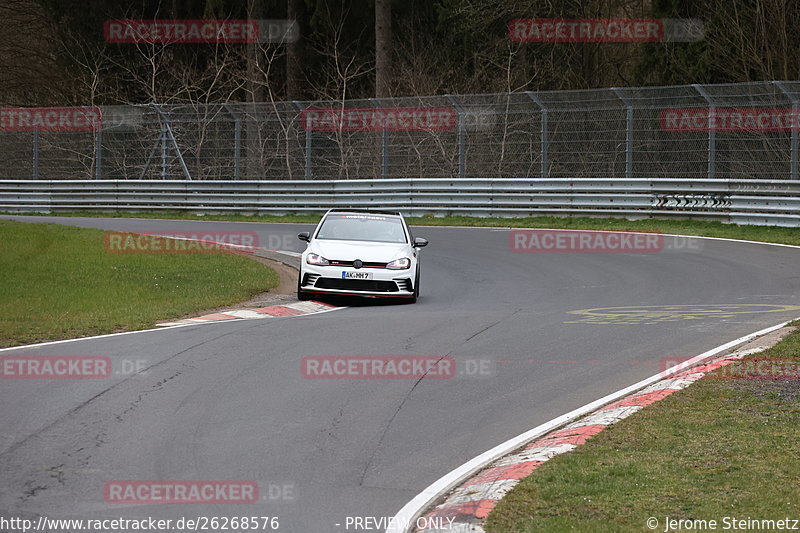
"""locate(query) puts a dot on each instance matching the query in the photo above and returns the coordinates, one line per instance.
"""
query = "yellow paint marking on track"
(655, 314)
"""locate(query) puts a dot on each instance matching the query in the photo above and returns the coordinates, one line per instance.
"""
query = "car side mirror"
(305, 236)
(419, 242)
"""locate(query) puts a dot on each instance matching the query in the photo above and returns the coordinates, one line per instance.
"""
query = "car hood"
(381, 252)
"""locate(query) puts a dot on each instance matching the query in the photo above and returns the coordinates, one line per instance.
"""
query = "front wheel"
(300, 294)
(413, 299)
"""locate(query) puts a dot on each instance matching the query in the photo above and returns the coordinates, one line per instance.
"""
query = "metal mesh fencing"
(733, 131)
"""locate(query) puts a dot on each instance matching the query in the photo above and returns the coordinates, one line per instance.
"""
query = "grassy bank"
(58, 282)
(720, 448)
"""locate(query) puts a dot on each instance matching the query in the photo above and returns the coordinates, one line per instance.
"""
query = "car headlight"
(315, 259)
(399, 264)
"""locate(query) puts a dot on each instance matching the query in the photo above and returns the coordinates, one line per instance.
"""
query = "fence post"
(36, 154)
(543, 135)
(237, 141)
(462, 139)
(166, 134)
(793, 154)
(384, 145)
(98, 152)
(712, 134)
(628, 132)
(309, 144)
(164, 152)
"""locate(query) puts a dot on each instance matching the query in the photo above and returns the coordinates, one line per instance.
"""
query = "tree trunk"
(383, 48)
(294, 54)
(255, 94)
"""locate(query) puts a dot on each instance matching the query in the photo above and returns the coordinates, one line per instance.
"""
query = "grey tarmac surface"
(227, 401)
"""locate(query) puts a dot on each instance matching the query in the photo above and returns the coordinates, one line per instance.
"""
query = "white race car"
(357, 252)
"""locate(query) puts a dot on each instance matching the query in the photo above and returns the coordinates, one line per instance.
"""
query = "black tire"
(413, 299)
(302, 296)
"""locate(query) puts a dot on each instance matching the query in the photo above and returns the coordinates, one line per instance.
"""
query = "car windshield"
(362, 227)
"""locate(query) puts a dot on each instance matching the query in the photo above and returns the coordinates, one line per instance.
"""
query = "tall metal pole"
(628, 132)
(543, 134)
(36, 154)
(712, 134)
(237, 141)
(98, 152)
(794, 144)
(462, 137)
(384, 145)
(309, 146)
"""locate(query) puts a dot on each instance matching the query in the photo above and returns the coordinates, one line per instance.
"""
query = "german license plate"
(349, 274)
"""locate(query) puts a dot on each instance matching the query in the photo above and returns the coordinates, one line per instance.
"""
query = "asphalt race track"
(227, 401)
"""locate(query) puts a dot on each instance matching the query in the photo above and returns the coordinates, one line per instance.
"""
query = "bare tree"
(294, 53)
(255, 94)
(383, 48)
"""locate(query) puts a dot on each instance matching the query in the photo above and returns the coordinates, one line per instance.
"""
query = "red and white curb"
(462, 499)
(271, 311)
(470, 504)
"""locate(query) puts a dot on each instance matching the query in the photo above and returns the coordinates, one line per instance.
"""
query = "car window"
(374, 228)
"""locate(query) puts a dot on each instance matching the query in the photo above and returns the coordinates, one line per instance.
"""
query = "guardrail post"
(36, 154)
(462, 137)
(309, 145)
(795, 108)
(628, 132)
(712, 134)
(237, 141)
(384, 145)
(544, 171)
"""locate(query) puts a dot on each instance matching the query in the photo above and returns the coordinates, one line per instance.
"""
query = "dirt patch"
(772, 389)
(287, 275)
(765, 341)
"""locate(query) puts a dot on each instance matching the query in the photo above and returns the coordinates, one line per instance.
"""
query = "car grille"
(367, 264)
(366, 285)
(404, 284)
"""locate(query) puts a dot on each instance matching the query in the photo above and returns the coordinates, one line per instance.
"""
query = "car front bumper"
(384, 283)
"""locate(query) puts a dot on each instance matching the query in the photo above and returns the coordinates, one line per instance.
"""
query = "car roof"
(364, 211)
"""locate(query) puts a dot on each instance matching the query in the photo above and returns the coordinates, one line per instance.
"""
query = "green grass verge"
(720, 448)
(58, 282)
(684, 227)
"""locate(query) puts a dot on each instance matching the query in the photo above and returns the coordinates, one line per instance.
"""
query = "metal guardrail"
(763, 202)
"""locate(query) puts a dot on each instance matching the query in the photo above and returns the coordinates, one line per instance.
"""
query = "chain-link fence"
(740, 131)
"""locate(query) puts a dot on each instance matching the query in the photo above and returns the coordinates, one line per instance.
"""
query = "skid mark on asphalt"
(408, 395)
